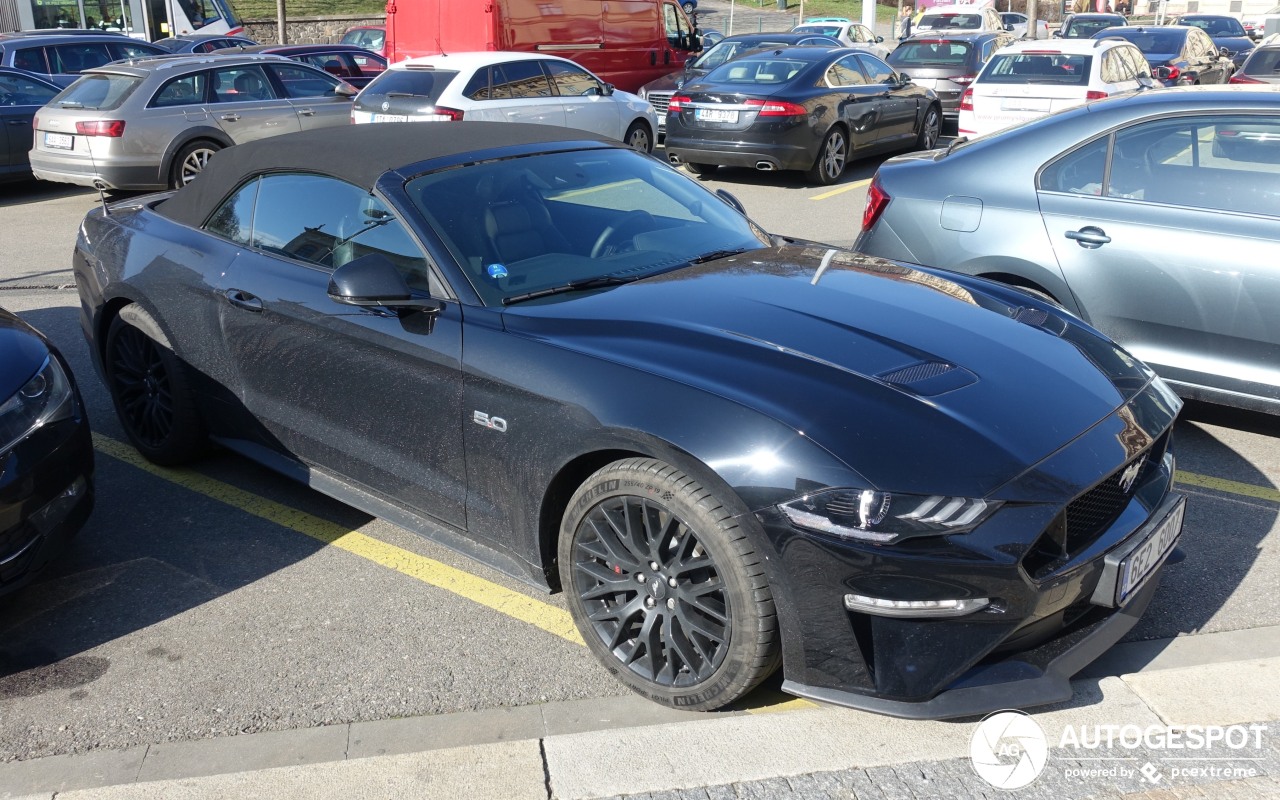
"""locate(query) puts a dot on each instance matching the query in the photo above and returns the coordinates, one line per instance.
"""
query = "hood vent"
(928, 378)
(1039, 318)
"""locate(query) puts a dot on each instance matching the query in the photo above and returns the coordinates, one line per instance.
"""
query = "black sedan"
(22, 94)
(1179, 55)
(46, 453)
(1226, 32)
(731, 450)
(799, 108)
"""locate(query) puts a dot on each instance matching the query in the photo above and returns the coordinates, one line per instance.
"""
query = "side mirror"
(608, 89)
(1224, 52)
(1008, 26)
(904, 77)
(373, 281)
(731, 201)
(1162, 73)
(346, 90)
(879, 39)
(1057, 34)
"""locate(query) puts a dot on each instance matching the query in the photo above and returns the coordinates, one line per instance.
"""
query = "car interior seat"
(249, 86)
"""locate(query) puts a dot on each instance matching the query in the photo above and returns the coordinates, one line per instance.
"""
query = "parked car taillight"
(676, 103)
(1240, 77)
(877, 202)
(1172, 73)
(1094, 94)
(101, 127)
(963, 80)
(454, 115)
(966, 100)
(777, 108)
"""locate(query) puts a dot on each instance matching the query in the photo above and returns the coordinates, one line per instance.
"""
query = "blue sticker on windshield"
(496, 271)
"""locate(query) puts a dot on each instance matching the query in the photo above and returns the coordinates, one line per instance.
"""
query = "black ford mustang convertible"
(920, 493)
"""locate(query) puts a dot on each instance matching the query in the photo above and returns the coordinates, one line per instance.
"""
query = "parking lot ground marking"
(841, 190)
(1231, 487)
(478, 590)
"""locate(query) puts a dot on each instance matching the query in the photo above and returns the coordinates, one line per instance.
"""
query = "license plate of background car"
(390, 118)
(1025, 104)
(60, 141)
(716, 115)
(1138, 565)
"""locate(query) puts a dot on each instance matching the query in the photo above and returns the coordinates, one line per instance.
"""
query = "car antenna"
(98, 183)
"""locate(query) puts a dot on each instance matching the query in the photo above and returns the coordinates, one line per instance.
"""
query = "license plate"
(61, 141)
(390, 118)
(715, 115)
(1025, 104)
(1139, 564)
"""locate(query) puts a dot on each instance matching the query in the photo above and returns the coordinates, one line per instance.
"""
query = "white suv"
(1030, 79)
(959, 19)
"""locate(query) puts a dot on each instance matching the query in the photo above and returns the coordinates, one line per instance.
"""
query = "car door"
(858, 102)
(517, 91)
(370, 396)
(1175, 250)
(586, 106)
(245, 105)
(1209, 64)
(20, 99)
(313, 95)
(896, 101)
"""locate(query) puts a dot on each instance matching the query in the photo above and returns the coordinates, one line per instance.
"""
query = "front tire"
(639, 137)
(666, 587)
(833, 155)
(930, 129)
(151, 389)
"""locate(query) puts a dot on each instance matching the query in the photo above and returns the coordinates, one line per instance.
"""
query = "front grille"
(1089, 516)
(659, 101)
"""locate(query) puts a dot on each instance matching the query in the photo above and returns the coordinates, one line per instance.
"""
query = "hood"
(876, 359)
(22, 353)
(1233, 43)
(672, 82)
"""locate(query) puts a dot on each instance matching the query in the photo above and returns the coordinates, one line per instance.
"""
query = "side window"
(239, 85)
(674, 24)
(300, 82)
(1081, 171)
(32, 60)
(368, 65)
(877, 71)
(571, 81)
(986, 51)
(845, 72)
(16, 90)
(234, 218)
(1111, 70)
(124, 50)
(184, 91)
(336, 64)
(72, 58)
(521, 79)
(478, 87)
(861, 34)
(328, 223)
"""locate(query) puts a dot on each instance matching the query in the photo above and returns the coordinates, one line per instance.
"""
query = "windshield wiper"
(717, 254)
(573, 286)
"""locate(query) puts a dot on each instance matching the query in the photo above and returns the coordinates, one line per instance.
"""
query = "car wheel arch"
(197, 134)
(1060, 294)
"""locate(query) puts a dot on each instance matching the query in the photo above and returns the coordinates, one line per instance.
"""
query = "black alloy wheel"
(150, 389)
(665, 586)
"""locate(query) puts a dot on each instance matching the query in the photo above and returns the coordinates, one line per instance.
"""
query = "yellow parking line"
(478, 590)
(846, 188)
(1224, 485)
(794, 704)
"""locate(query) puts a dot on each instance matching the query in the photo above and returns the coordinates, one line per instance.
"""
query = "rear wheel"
(639, 137)
(930, 129)
(665, 587)
(190, 162)
(829, 165)
(151, 389)
(701, 169)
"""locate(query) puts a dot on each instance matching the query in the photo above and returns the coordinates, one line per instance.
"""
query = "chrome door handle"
(229, 117)
(20, 122)
(1089, 237)
(307, 112)
(242, 299)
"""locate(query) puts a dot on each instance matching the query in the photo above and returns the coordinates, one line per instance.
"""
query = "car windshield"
(942, 22)
(423, 82)
(1086, 28)
(99, 92)
(1058, 68)
(819, 30)
(1216, 26)
(727, 50)
(930, 52)
(528, 224)
(757, 71)
(1150, 40)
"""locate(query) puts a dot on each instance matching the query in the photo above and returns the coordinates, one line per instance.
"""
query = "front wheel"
(829, 165)
(638, 137)
(666, 587)
(930, 129)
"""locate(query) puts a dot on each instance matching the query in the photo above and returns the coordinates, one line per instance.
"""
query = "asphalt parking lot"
(223, 599)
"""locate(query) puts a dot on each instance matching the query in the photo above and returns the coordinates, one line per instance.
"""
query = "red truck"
(625, 42)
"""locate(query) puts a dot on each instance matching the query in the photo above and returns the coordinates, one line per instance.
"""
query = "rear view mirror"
(879, 39)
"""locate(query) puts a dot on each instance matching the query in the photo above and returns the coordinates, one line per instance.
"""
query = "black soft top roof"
(357, 154)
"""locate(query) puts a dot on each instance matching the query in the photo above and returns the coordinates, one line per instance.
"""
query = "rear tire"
(190, 161)
(665, 586)
(930, 129)
(151, 389)
(831, 160)
(639, 137)
(701, 169)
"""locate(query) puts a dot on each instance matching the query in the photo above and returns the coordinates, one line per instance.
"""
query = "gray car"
(1154, 217)
(153, 123)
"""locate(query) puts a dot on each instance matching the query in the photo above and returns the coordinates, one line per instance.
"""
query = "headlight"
(886, 517)
(43, 399)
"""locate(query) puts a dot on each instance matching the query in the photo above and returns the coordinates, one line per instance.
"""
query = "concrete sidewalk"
(626, 746)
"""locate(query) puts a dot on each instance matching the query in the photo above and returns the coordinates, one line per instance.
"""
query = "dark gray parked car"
(1154, 217)
(947, 63)
(21, 96)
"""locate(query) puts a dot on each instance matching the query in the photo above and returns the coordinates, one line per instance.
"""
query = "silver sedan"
(1154, 217)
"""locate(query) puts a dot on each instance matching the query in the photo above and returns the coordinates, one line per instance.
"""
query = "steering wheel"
(613, 238)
